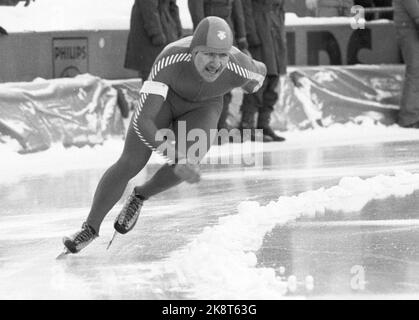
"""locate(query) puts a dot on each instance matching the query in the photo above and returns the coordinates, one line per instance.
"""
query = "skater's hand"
(188, 172)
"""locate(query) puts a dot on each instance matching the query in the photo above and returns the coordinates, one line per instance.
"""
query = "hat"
(212, 34)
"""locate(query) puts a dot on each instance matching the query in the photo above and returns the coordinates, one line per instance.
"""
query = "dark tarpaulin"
(86, 110)
(74, 111)
(322, 95)
(338, 94)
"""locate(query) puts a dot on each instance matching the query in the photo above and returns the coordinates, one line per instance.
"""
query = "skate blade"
(110, 242)
(62, 254)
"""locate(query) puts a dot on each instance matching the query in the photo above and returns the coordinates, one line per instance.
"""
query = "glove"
(188, 172)
(3, 31)
(158, 40)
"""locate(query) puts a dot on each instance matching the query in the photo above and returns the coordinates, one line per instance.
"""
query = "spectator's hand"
(188, 172)
(311, 4)
(158, 40)
(242, 44)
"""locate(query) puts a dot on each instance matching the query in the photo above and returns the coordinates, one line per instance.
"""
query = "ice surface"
(201, 241)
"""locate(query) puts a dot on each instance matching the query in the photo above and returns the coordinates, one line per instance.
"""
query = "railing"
(377, 10)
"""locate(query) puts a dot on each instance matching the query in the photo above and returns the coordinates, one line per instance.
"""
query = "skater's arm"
(251, 72)
(153, 94)
(152, 23)
(257, 77)
(152, 97)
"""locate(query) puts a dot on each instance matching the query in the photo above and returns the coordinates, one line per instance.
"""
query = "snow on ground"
(59, 15)
(57, 159)
(221, 263)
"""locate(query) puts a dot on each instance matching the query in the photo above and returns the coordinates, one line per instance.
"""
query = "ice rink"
(330, 213)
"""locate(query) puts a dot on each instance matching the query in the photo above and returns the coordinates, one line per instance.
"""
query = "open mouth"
(212, 70)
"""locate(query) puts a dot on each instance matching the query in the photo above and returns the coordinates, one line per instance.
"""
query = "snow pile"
(221, 263)
(57, 159)
(61, 15)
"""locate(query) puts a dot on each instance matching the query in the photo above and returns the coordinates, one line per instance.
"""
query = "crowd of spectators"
(259, 28)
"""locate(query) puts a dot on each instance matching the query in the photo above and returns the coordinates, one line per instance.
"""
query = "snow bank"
(61, 15)
(57, 159)
(221, 263)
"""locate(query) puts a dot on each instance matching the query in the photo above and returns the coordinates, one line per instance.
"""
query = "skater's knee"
(129, 166)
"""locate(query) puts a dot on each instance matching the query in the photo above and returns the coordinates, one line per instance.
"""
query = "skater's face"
(210, 65)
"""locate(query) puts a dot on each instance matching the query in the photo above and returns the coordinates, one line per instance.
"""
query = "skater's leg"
(203, 118)
(113, 183)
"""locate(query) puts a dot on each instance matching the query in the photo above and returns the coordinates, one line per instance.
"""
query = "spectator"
(406, 21)
(232, 12)
(330, 8)
(265, 25)
(154, 24)
(14, 2)
(11, 3)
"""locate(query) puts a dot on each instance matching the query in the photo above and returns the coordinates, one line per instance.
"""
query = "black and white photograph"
(209, 150)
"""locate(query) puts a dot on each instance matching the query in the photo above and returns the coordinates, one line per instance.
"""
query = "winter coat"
(405, 13)
(265, 26)
(154, 24)
(229, 10)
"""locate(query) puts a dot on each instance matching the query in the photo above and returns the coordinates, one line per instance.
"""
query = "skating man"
(232, 12)
(186, 87)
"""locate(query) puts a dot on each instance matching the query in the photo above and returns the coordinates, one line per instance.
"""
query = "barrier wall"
(86, 109)
(48, 55)
(311, 41)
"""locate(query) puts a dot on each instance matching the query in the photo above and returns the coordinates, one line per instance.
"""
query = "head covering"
(212, 34)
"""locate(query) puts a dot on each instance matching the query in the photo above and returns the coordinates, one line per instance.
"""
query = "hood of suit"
(212, 34)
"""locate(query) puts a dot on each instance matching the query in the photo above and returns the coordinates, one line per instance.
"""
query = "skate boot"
(80, 239)
(128, 216)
